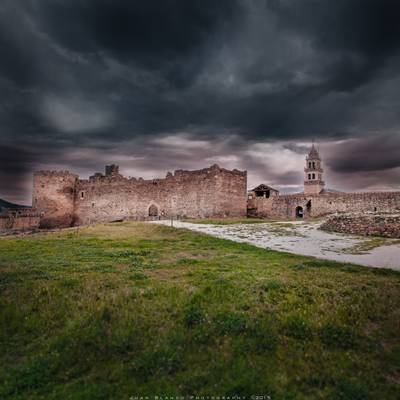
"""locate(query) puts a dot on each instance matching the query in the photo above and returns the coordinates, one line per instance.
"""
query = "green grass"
(227, 221)
(369, 243)
(129, 309)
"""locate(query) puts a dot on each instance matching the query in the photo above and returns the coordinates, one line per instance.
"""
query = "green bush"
(338, 336)
(194, 315)
(230, 323)
(298, 328)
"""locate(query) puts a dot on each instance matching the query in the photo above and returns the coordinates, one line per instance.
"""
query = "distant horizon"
(161, 175)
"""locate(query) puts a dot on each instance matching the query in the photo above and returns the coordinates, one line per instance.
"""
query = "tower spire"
(313, 182)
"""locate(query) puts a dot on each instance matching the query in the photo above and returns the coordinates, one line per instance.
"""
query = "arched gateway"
(153, 211)
(299, 212)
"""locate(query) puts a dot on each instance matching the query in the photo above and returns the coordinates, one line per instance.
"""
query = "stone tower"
(313, 183)
(53, 197)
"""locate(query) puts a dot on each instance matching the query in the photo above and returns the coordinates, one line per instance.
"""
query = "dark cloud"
(246, 84)
(363, 33)
(366, 155)
(169, 36)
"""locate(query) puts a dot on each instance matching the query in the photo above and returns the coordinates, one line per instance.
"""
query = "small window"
(309, 164)
(309, 176)
(82, 195)
(313, 164)
(375, 208)
(313, 176)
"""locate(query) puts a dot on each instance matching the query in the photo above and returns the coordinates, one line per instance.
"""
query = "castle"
(65, 200)
(62, 199)
(316, 201)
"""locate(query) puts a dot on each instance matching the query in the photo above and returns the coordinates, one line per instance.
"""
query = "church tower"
(313, 183)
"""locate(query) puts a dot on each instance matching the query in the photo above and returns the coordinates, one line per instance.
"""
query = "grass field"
(128, 309)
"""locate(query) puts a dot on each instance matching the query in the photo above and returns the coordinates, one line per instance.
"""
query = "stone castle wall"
(65, 200)
(19, 220)
(364, 224)
(284, 206)
(54, 196)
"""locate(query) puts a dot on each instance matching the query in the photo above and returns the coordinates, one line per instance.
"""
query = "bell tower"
(313, 182)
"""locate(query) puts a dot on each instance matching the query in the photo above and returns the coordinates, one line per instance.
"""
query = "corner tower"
(54, 197)
(313, 182)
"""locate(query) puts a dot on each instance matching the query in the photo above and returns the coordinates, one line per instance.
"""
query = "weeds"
(133, 308)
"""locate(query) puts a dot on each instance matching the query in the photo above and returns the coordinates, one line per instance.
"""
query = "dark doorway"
(299, 212)
(308, 206)
(153, 211)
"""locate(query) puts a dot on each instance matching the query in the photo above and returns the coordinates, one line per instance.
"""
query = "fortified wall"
(19, 220)
(66, 200)
(316, 201)
(317, 205)
(53, 196)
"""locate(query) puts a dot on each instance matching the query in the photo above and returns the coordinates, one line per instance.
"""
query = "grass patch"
(367, 244)
(117, 310)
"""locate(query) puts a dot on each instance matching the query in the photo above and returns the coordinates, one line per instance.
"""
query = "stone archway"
(299, 212)
(153, 211)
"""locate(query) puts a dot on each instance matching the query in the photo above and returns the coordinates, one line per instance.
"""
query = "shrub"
(339, 336)
(194, 315)
(348, 390)
(230, 323)
(298, 328)
(138, 276)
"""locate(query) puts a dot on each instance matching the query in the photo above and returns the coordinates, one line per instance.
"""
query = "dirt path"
(305, 238)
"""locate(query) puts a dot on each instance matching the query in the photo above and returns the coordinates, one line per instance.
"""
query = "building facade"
(316, 201)
(63, 199)
(313, 182)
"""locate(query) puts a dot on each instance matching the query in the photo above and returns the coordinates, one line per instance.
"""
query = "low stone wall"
(328, 203)
(386, 225)
(19, 220)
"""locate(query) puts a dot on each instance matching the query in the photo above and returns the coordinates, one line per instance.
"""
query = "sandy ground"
(305, 238)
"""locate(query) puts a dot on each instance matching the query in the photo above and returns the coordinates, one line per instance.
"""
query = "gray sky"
(160, 85)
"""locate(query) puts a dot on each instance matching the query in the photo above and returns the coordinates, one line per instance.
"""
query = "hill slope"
(6, 204)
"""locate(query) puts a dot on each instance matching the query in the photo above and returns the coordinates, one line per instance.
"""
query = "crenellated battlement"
(66, 199)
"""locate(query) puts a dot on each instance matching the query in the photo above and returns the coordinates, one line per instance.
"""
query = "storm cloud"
(159, 85)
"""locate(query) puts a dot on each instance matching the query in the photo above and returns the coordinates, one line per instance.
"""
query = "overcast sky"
(158, 85)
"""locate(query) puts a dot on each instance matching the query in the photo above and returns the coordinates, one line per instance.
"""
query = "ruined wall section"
(382, 202)
(369, 224)
(262, 207)
(231, 192)
(19, 220)
(53, 197)
(318, 205)
(184, 194)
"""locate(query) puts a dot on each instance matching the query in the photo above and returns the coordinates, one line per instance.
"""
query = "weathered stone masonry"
(287, 206)
(66, 200)
(19, 220)
(315, 201)
(387, 225)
